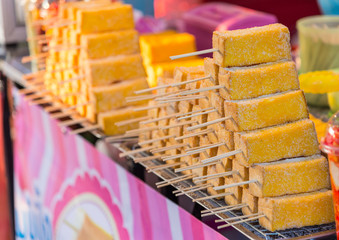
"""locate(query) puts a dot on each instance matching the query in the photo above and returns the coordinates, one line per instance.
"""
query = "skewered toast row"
(274, 143)
(251, 46)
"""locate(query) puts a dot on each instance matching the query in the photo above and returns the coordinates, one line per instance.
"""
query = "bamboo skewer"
(200, 187)
(242, 221)
(171, 85)
(208, 123)
(155, 140)
(194, 53)
(189, 92)
(149, 107)
(213, 176)
(164, 167)
(212, 196)
(194, 134)
(221, 156)
(62, 115)
(199, 165)
(236, 218)
(126, 122)
(230, 208)
(174, 180)
(235, 184)
(159, 119)
(144, 159)
(86, 129)
(159, 150)
(202, 148)
(139, 131)
(73, 122)
(133, 152)
(178, 99)
(196, 111)
(34, 57)
(178, 125)
(198, 114)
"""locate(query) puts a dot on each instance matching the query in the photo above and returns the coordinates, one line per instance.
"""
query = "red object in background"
(5, 220)
(287, 12)
(172, 9)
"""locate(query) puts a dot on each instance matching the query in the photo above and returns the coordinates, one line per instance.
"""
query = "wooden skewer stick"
(34, 57)
(86, 129)
(179, 99)
(221, 156)
(175, 181)
(149, 96)
(187, 188)
(72, 122)
(171, 180)
(159, 150)
(190, 92)
(201, 187)
(149, 107)
(62, 115)
(237, 218)
(38, 95)
(162, 167)
(208, 123)
(139, 131)
(194, 134)
(197, 114)
(133, 152)
(218, 175)
(213, 196)
(120, 137)
(41, 101)
(144, 159)
(242, 221)
(159, 119)
(202, 148)
(196, 111)
(218, 208)
(234, 184)
(199, 165)
(53, 108)
(171, 85)
(155, 140)
(126, 122)
(33, 75)
(194, 53)
(233, 207)
(178, 125)
(62, 48)
(61, 24)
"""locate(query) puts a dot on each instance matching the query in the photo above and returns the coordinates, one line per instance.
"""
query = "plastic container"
(203, 20)
(330, 146)
(319, 43)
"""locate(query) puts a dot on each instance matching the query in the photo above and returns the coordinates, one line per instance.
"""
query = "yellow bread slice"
(104, 71)
(221, 135)
(159, 49)
(103, 19)
(258, 80)
(295, 211)
(290, 176)
(110, 44)
(270, 144)
(251, 46)
(166, 69)
(114, 96)
(266, 111)
(242, 173)
(107, 120)
(236, 196)
(211, 69)
(215, 181)
(251, 201)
